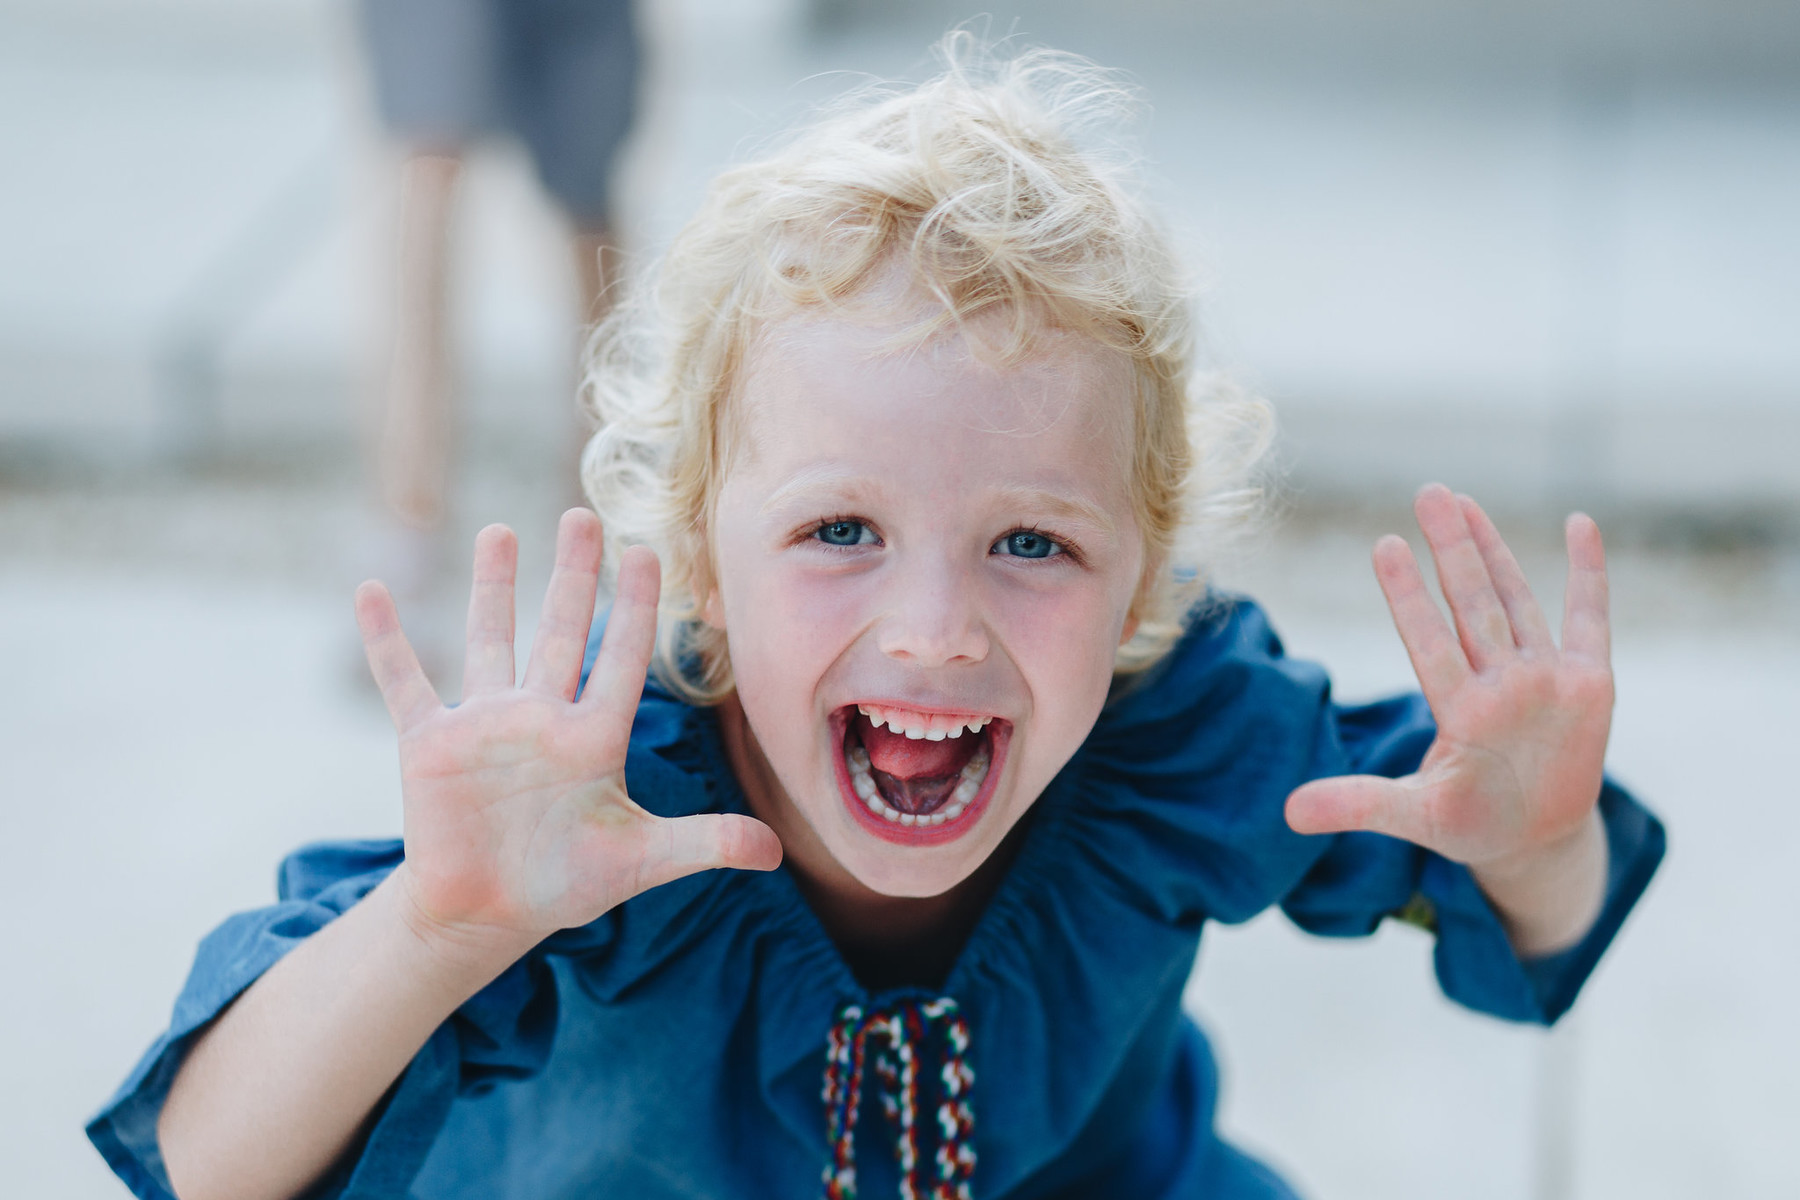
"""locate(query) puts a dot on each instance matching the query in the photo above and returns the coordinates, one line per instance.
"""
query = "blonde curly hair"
(988, 186)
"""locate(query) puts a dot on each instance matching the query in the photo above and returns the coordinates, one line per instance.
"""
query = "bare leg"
(410, 424)
(596, 269)
(413, 461)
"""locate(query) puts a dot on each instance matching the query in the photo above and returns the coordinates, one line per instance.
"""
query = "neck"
(887, 941)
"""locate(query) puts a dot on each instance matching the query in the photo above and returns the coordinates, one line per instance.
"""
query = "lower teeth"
(862, 782)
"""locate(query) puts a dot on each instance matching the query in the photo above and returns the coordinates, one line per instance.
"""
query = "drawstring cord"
(902, 1035)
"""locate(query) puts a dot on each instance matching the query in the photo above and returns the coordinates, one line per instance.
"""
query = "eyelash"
(1068, 548)
(813, 531)
(820, 526)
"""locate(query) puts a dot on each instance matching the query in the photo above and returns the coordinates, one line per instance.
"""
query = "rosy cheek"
(823, 601)
(1058, 628)
(1064, 650)
(788, 625)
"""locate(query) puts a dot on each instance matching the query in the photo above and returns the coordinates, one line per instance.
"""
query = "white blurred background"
(1547, 252)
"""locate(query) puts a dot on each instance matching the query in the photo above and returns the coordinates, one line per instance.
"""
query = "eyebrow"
(844, 484)
(1060, 506)
(853, 488)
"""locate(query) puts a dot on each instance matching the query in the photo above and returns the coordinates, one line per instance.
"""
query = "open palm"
(518, 822)
(1522, 723)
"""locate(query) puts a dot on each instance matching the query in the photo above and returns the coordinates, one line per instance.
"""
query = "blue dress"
(676, 1046)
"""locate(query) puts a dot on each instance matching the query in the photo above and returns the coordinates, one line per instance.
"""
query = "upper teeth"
(918, 726)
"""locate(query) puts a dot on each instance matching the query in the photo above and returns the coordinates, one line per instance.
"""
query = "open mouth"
(918, 776)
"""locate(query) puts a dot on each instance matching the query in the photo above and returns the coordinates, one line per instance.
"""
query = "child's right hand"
(517, 819)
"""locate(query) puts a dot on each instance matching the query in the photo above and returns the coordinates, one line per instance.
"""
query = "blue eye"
(844, 533)
(1026, 543)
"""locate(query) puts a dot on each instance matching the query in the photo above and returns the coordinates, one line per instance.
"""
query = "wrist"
(1549, 896)
(1533, 863)
(460, 958)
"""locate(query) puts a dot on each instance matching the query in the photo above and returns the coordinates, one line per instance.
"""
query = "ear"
(713, 611)
(1146, 581)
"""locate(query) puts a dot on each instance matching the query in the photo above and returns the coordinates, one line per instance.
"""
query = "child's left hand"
(1511, 784)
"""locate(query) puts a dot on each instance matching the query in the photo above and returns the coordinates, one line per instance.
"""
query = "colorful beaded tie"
(904, 1034)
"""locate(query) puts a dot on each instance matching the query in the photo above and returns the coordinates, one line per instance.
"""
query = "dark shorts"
(560, 75)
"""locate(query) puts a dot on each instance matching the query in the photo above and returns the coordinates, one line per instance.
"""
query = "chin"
(906, 875)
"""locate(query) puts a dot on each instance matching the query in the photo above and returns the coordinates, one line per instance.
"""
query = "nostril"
(935, 638)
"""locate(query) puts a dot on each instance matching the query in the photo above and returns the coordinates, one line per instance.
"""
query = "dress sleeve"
(1363, 878)
(503, 1032)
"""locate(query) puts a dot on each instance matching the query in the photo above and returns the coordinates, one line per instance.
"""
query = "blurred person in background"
(561, 76)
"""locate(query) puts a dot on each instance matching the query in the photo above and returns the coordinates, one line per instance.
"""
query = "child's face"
(938, 544)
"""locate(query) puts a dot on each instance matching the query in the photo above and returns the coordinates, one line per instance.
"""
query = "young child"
(896, 868)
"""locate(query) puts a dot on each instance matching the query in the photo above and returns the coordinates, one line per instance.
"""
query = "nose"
(934, 618)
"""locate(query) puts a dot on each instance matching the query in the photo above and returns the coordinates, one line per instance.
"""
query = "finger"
(408, 694)
(1437, 657)
(681, 846)
(1530, 629)
(1587, 628)
(1480, 618)
(488, 661)
(1357, 802)
(617, 679)
(562, 631)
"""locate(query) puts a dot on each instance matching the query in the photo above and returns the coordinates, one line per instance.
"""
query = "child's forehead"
(835, 408)
(1001, 377)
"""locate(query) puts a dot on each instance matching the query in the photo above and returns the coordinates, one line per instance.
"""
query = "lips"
(914, 776)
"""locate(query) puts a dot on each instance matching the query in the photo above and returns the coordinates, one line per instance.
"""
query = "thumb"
(707, 841)
(1366, 802)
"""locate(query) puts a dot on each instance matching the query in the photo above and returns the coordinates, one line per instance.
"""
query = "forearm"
(1549, 899)
(281, 1085)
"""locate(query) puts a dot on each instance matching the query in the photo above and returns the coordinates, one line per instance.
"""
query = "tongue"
(906, 758)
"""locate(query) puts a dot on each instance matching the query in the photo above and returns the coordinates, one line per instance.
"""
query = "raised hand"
(517, 819)
(1511, 783)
